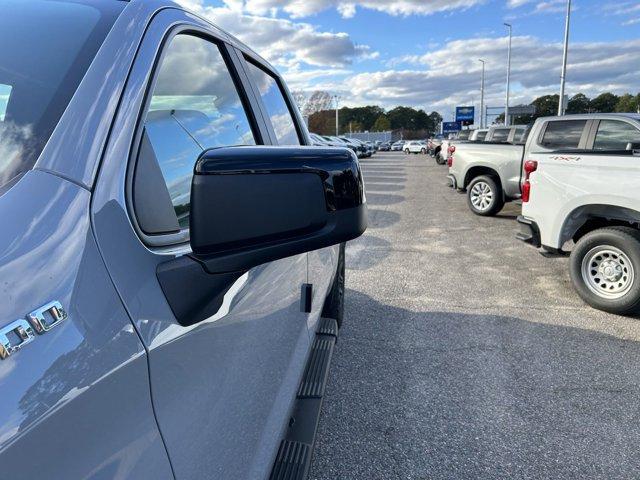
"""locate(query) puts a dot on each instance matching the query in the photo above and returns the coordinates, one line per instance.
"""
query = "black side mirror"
(252, 205)
(633, 147)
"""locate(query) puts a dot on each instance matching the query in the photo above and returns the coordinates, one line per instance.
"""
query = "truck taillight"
(452, 149)
(450, 161)
(530, 166)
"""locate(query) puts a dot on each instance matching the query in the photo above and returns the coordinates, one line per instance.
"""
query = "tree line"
(413, 123)
(607, 102)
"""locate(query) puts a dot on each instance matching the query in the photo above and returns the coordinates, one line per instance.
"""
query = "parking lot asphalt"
(466, 354)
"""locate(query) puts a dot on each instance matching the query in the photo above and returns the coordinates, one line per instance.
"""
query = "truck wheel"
(605, 269)
(423, 151)
(484, 196)
(440, 160)
(406, 152)
(334, 303)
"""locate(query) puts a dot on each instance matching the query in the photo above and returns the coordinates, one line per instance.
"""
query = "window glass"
(274, 102)
(500, 135)
(481, 136)
(195, 106)
(521, 136)
(5, 93)
(615, 135)
(46, 47)
(563, 134)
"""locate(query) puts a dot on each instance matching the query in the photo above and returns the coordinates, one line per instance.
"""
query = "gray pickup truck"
(490, 171)
(171, 254)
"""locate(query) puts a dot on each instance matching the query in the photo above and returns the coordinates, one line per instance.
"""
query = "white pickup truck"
(490, 171)
(582, 184)
(442, 152)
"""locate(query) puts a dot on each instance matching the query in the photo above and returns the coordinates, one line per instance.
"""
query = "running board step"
(294, 455)
(292, 462)
(317, 371)
(328, 326)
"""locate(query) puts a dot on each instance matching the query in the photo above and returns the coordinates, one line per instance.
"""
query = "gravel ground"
(466, 354)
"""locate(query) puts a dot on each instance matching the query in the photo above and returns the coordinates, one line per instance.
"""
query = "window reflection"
(615, 135)
(276, 106)
(195, 106)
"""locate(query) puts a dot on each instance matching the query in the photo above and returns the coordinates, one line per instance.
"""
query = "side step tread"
(317, 370)
(294, 455)
(328, 326)
(292, 462)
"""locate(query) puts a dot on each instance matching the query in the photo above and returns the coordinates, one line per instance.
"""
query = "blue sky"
(424, 53)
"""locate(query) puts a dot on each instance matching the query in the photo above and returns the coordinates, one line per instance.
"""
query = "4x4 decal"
(21, 332)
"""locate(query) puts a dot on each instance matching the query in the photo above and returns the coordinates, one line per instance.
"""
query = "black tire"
(440, 160)
(406, 151)
(489, 186)
(627, 241)
(334, 303)
(423, 151)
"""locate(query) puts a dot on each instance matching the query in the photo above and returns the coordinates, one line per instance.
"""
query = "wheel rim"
(481, 196)
(608, 272)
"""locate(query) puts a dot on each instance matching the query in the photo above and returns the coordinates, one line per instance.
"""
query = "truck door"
(222, 388)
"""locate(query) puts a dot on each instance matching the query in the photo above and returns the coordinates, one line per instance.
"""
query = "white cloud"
(347, 8)
(443, 78)
(281, 41)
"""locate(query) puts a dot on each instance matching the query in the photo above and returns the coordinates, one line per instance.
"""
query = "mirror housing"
(252, 205)
(633, 147)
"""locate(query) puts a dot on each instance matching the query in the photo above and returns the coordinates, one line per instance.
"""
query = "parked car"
(580, 185)
(333, 141)
(171, 300)
(371, 146)
(415, 146)
(319, 141)
(397, 146)
(385, 147)
(489, 172)
(462, 136)
(434, 144)
(357, 147)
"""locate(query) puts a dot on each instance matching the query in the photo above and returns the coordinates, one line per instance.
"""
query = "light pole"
(506, 106)
(565, 53)
(482, 96)
(337, 99)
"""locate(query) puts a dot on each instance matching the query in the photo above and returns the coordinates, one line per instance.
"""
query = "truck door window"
(276, 105)
(563, 134)
(195, 106)
(615, 135)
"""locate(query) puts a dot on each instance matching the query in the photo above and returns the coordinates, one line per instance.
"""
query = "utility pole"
(482, 96)
(565, 53)
(337, 99)
(506, 106)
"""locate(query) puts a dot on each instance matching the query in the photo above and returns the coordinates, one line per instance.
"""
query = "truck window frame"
(593, 133)
(249, 58)
(249, 103)
(583, 138)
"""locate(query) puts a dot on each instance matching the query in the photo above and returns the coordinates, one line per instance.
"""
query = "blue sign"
(450, 127)
(465, 115)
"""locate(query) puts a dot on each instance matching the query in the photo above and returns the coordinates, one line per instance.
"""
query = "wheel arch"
(587, 218)
(477, 170)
